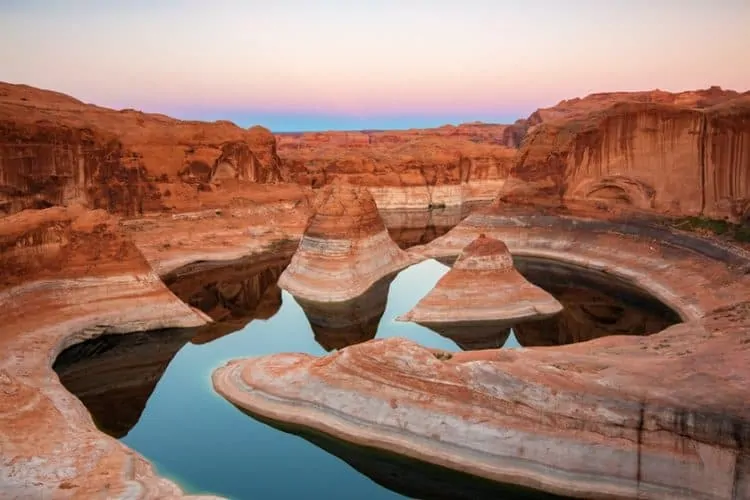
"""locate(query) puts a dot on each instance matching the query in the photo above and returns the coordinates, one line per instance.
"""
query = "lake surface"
(153, 390)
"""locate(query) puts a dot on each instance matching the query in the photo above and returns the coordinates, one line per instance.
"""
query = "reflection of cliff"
(340, 324)
(412, 478)
(418, 227)
(594, 307)
(232, 295)
(114, 375)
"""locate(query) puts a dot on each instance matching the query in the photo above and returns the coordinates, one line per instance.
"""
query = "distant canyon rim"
(101, 207)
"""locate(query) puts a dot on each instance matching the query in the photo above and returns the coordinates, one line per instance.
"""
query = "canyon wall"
(404, 169)
(676, 154)
(56, 150)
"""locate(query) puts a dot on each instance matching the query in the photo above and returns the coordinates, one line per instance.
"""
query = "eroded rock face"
(56, 150)
(626, 149)
(82, 277)
(412, 169)
(482, 296)
(345, 248)
(663, 416)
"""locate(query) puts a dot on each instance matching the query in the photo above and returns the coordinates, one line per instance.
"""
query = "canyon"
(102, 209)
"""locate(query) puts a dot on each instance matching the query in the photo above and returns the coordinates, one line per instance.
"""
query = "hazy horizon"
(296, 65)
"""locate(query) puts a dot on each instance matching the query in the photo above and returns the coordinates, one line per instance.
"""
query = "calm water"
(154, 391)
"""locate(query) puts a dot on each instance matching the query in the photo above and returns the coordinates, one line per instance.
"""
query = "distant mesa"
(481, 297)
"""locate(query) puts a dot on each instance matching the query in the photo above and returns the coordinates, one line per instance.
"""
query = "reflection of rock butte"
(114, 375)
(232, 295)
(340, 324)
(82, 278)
(481, 297)
(663, 416)
(345, 248)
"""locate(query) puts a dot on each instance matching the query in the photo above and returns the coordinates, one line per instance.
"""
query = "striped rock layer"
(345, 248)
(658, 417)
(482, 296)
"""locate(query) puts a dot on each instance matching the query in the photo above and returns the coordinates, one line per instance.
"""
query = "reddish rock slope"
(677, 154)
(55, 150)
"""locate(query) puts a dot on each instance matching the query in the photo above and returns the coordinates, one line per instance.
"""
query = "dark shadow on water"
(595, 305)
(406, 476)
(114, 375)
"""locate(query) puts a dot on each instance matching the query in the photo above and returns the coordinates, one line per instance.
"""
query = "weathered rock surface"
(56, 150)
(81, 277)
(663, 416)
(340, 324)
(345, 248)
(412, 169)
(482, 295)
(627, 149)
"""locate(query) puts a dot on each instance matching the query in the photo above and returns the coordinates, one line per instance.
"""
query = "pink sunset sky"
(335, 64)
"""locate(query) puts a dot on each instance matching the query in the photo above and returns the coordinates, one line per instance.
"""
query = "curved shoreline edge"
(675, 436)
(50, 444)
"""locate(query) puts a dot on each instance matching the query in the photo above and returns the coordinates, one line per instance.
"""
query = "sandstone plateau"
(482, 293)
(101, 207)
(345, 248)
(663, 416)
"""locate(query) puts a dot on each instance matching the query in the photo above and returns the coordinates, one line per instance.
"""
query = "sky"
(294, 65)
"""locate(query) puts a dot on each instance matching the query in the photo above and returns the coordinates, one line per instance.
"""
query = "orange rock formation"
(345, 248)
(55, 150)
(482, 293)
(661, 417)
(677, 154)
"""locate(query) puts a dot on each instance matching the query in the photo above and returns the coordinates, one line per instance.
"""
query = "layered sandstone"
(340, 324)
(345, 248)
(82, 278)
(413, 169)
(56, 150)
(663, 416)
(482, 295)
(627, 149)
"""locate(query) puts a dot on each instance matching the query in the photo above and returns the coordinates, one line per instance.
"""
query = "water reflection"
(152, 390)
(114, 375)
(340, 324)
(419, 227)
(594, 305)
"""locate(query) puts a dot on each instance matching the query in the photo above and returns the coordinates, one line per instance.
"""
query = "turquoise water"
(195, 437)
(153, 390)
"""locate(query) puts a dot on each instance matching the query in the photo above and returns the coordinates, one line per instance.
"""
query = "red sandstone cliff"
(448, 155)
(678, 154)
(55, 150)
